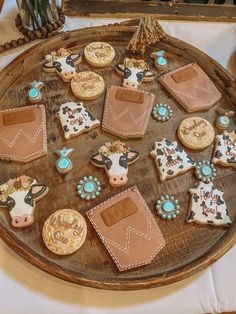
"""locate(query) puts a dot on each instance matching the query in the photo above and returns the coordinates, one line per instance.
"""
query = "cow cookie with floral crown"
(115, 158)
(19, 196)
(63, 62)
(134, 72)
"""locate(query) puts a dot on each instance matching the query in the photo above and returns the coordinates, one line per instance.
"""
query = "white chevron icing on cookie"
(22, 132)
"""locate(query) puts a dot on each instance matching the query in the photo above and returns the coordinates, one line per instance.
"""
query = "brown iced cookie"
(87, 85)
(23, 135)
(196, 133)
(99, 54)
(127, 112)
(64, 232)
(191, 87)
(127, 228)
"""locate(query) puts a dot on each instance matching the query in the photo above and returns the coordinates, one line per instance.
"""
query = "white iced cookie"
(75, 119)
(225, 149)
(171, 160)
(207, 206)
(99, 54)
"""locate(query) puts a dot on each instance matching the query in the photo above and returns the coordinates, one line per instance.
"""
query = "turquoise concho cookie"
(205, 171)
(88, 188)
(167, 207)
(162, 112)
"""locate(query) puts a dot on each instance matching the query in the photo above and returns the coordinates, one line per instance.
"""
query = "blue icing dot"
(168, 206)
(206, 170)
(224, 120)
(33, 93)
(63, 163)
(161, 61)
(162, 111)
(89, 187)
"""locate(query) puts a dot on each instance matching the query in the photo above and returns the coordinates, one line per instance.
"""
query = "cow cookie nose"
(119, 180)
(68, 75)
(23, 221)
(129, 85)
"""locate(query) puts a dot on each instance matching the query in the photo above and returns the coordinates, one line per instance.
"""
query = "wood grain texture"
(166, 10)
(190, 247)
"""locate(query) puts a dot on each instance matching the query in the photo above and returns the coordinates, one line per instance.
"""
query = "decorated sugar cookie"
(19, 196)
(63, 62)
(171, 160)
(167, 207)
(223, 121)
(162, 112)
(205, 171)
(115, 158)
(134, 72)
(34, 94)
(89, 188)
(63, 163)
(207, 206)
(64, 232)
(75, 119)
(99, 54)
(160, 59)
(225, 149)
(87, 85)
(196, 133)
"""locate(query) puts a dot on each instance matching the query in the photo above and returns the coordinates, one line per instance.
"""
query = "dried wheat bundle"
(149, 32)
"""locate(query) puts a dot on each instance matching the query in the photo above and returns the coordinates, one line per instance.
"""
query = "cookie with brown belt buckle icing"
(191, 87)
(128, 229)
(87, 85)
(64, 232)
(196, 133)
(99, 54)
(23, 135)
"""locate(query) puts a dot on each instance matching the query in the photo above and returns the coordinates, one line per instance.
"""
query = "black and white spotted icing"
(225, 149)
(75, 119)
(171, 160)
(207, 206)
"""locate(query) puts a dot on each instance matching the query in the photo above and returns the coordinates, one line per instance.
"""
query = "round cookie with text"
(196, 133)
(99, 54)
(87, 85)
(64, 231)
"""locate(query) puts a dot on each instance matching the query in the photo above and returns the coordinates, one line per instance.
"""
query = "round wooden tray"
(189, 247)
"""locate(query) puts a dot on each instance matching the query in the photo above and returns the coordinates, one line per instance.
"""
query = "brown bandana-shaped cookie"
(207, 206)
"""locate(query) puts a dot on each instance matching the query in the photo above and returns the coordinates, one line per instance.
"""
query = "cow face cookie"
(115, 158)
(207, 206)
(99, 54)
(196, 133)
(87, 85)
(75, 119)
(134, 72)
(64, 232)
(19, 196)
(63, 62)
(225, 149)
(171, 160)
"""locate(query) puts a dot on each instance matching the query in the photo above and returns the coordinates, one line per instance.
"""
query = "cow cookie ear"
(76, 57)
(149, 76)
(38, 190)
(48, 65)
(3, 200)
(120, 68)
(97, 159)
(132, 156)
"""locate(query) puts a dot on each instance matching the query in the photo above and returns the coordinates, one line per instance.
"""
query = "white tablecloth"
(25, 289)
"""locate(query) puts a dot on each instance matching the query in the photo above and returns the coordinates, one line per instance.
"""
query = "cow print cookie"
(115, 158)
(207, 206)
(75, 119)
(19, 196)
(134, 72)
(225, 149)
(171, 160)
(63, 62)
